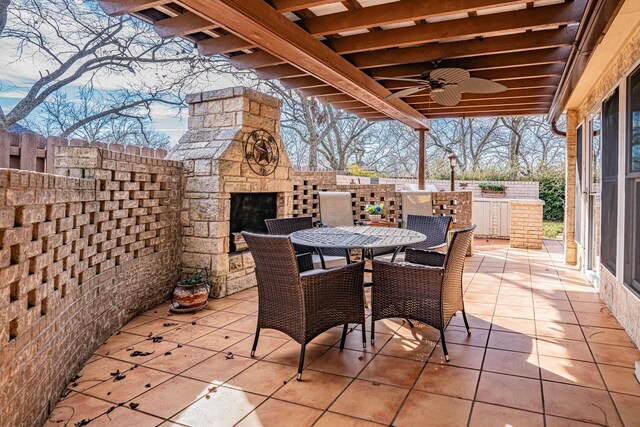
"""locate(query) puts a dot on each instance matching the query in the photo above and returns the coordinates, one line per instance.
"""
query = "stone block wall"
(526, 225)
(80, 255)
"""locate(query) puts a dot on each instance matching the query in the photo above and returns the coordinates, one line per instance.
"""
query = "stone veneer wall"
(526, 225)
(213, 155)
(80, 255)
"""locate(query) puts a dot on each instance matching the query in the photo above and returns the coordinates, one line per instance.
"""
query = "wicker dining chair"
(427, 287)
(303, 305)
(435, 228)
(322, 258)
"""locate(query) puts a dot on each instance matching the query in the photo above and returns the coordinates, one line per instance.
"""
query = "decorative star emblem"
(261, 152)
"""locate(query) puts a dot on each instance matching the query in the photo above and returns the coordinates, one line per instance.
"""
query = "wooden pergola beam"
(294, 5)
(181, 25)
(279, 72)
(470, 103)
(223, 44)
(260, 24)
(489, 46)
(526, 82)
(486, 25)
(316, 91)
(476, 108)
(123, 7)
(301, 82)
(489, 113)
(393, 13)
(259, 59)
(509, 94)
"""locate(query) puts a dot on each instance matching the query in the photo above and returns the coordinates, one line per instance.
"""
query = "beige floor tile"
(514, 311)
(135, 382)
(262, 378)
(508, 390)
(137, 321)
(289, 353)
(477, 321)
(456, 335)
(246, 324)
(280, 414)
(559, 330)
(221, 319)
(565, 422)
(156, 327)
(448, 411)
(570, 372)
(266, 345)
(354, 341)
(509, 324)
(144, 351)
(219, 340)
(619, 337)
(512, 341)
(629, 407)
(589, 307)
(317, 389)
(615, 355)
(330, 419)
(479, 308)
(244, 307)
(485, 415)
(568, 349)
(512, 363)
(515, 301)
(392, 371)
(179, 359)
(96, 372)
(186, 333)
(408, 348)
(579, 403)
(603, 320)
(222, 303)
(125, 416)
(118, 342)
(346, 362)
(219, 368)
(224, 407)
(419, 331)
(380, 406)
(464, 356)
(172, 396)
(554, 315)
(332, 336)
(448, 380)
(76, 408)
(619, 379)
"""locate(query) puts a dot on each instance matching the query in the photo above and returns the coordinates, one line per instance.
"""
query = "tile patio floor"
(543, 351)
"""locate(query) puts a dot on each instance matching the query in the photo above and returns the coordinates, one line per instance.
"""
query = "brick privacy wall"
(306, 186)
(80, 255)
(526, 226)
(515, 189)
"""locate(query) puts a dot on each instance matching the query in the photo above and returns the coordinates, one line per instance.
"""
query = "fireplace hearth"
(248, 212)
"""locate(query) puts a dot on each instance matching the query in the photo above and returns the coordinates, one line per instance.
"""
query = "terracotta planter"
(191, 296)
(494, 193)
(375, 218)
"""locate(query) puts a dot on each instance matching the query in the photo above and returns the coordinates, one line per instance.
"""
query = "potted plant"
(493, 190)
(375, 211)
(191, 293)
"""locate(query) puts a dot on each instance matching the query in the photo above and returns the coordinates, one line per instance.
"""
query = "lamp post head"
(453, 160)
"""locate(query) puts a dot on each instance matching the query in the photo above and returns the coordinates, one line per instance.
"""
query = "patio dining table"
(357, 237)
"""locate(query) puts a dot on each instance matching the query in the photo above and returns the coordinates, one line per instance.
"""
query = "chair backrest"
(276, 265)
(416, 202)
(454, 267)
(434, 227)
(335, 208)
(286, 226)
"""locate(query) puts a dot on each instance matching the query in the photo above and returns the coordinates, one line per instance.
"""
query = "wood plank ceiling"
(343, 52)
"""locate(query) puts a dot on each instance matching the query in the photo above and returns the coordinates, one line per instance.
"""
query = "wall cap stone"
(233, 92)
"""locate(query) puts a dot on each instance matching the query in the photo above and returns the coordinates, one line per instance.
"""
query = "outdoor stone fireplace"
(236, 175)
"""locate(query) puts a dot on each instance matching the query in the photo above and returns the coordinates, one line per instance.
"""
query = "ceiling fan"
(447, 85)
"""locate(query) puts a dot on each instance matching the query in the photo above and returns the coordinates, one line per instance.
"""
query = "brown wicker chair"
(427, 287)
(303, 305)
(322, 258)
(435, 228)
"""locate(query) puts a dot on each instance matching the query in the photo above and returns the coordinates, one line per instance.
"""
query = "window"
(609, 193)
(632, 185)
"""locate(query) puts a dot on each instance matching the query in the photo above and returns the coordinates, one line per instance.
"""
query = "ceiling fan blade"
(407, 92)
(449, 75)
(406, 79)
(449, 97)
(476, 85)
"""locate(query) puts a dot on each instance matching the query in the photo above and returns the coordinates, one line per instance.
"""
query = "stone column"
(570, 247)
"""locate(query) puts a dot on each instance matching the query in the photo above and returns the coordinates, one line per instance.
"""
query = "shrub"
(492, 187)
(552, 192)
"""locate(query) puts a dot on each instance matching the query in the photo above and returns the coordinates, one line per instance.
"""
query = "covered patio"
(544, 350)
(90, 255)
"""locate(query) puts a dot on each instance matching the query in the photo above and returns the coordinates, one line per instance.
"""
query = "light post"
(452, 162)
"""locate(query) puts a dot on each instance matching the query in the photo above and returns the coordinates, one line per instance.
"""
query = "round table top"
(356, 237)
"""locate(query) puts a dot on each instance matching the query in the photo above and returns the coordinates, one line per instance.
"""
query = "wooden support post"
(421, 160)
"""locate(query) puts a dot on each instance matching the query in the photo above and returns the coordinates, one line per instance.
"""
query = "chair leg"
(410, 323)
(301, 365)
(444, 345)
(255, 342)
(466, 323)
(373, 330)
(344, 336)
(364, 334)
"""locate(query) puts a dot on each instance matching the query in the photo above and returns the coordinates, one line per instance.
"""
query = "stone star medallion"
(261, 151)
